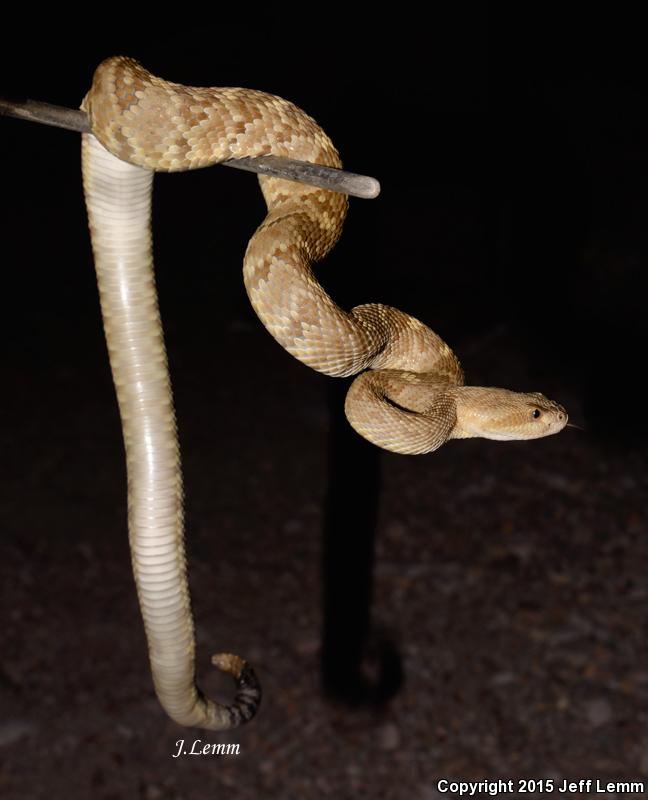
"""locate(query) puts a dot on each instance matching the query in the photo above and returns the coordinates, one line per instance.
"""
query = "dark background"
(512, 150)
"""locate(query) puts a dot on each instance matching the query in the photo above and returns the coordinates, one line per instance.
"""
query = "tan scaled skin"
(163, 126)
(412, 413)
(408, 397)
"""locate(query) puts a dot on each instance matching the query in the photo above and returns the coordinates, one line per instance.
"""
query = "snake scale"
(409, 396)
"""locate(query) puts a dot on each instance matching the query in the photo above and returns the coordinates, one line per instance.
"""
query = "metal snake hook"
(335, 180)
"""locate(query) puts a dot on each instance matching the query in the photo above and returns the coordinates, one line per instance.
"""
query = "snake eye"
(536, 413)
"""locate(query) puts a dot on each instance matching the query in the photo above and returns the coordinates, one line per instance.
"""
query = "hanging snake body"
(409, 396)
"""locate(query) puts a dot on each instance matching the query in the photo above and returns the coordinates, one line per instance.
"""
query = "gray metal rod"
(336, 180)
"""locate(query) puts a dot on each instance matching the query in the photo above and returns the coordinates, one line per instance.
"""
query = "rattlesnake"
(409, 395)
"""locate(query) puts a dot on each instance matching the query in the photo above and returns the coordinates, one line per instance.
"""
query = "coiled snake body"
(409, 395)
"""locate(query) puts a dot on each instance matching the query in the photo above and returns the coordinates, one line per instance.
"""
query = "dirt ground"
(510, 575)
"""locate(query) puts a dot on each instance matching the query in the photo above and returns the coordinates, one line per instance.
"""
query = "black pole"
(358, 666)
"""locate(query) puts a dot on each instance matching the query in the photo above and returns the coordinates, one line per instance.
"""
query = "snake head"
(544, 417)
(504, 415)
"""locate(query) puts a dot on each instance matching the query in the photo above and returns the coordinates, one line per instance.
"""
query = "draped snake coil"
(409, 396)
